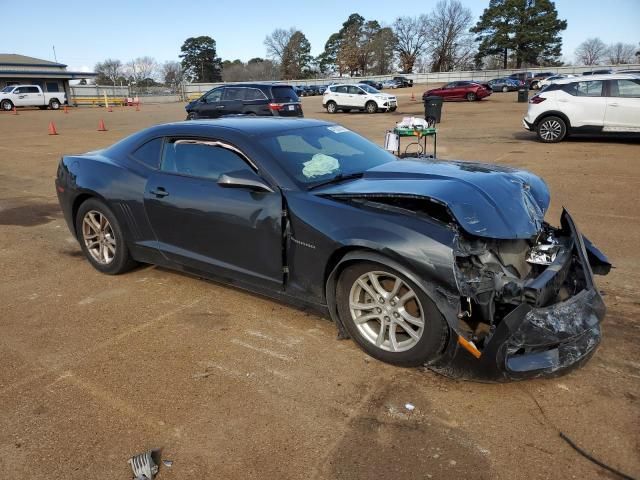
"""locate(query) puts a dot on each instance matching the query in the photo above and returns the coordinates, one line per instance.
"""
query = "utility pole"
(54, 54)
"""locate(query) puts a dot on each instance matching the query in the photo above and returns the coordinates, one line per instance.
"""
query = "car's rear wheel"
(471, 97)
(505, 89)
(551, 129)
(371, 107)
(6, 105)
(54, 104)
(102, 239)
(332, 107)
(389, 316)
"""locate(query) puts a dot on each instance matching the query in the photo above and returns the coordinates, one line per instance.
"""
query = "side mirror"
(244, 179)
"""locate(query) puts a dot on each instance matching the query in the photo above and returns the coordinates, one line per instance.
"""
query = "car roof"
(245, 124)
(603, 76)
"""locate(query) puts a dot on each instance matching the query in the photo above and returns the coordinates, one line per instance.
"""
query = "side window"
(214, 95)
(53, 87)
(196, 159)
(341, 89)
(233, 93)
(18, 90)
(589, 89)
(149, 153)
(625, 88)
(354, 90)
(33, 90)
(254, 94)
(450, 85)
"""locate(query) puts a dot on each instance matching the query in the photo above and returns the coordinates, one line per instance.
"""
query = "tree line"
(508, 34)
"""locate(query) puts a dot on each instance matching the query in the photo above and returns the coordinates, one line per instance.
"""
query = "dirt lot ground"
(234, 386)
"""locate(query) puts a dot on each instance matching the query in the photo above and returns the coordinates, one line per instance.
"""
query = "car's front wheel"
(6, 105)
(389, 316)
(192, 116)
(471, 97)
(371, 107)
(332, 107)
(551, 129)
(505, 89)
(102, 239)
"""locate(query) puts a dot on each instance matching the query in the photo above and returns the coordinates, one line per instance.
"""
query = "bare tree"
(450, 42)
(172, 74)
(620, 53)
(276, 43)
(412, 34)
(110, 69)
(142, 68)
(591, 52)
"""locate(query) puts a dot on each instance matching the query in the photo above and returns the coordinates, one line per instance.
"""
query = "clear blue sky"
(87, 32)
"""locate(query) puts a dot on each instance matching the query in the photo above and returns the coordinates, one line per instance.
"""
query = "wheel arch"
(342, 257)
(552, 113)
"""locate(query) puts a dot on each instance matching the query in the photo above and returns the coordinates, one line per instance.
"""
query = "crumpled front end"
(528, 308)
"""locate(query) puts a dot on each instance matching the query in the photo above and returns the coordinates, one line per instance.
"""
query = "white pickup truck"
(30, 96)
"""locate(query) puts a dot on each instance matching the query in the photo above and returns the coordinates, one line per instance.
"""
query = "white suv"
(357, 97)
(598, 103)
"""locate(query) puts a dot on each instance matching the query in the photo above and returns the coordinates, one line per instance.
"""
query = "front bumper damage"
(541, 336)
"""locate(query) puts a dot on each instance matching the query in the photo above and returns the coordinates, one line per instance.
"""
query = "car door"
(585, 104)
(210, 105)
(201, 224)
(449, 90)
(232, 100)
(21, 97)
(357, 96)
(622, 112)
(342, 96)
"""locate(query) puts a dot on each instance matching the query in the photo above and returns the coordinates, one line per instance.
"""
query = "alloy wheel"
(550, 130)
(98, 237)
(386, 311)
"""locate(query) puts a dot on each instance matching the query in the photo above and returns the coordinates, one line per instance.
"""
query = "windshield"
(7, 89)
(316, 154)
(368, 88)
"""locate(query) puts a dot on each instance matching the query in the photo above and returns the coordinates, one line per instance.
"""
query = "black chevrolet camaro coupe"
(448, 264)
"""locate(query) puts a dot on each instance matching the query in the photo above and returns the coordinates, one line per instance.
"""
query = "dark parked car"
(603, 71)
(264, 99)
(503, 84)
(371, 83)
(403, 81)
(524, 77)
(460, 90)
(418, 261)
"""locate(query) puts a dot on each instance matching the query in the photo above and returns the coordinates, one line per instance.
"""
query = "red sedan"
(460, 90)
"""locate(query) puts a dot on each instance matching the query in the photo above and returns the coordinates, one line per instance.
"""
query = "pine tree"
(528, 29)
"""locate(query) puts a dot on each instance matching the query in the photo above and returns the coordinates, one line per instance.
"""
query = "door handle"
(613, 104)
(220, 107)
(159, 192)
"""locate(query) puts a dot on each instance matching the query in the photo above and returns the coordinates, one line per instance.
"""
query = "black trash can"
(523, 95)
(433, 108)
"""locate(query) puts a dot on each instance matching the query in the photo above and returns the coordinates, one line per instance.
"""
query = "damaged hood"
(486, 200)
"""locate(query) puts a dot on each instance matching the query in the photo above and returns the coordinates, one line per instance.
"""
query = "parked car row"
(309, 90)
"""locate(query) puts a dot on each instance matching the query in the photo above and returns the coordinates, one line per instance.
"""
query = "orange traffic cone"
(109, 109)
(101, 127)
(52, 129)
(15, 112)
(413, 97)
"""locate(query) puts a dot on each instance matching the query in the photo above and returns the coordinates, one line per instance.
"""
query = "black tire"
(551, 129)
(54, 104)
(435, 331)
(192, 116)
(122, 261)
(471, 97)
(505, 89)
(6, 105)
(393, 109)
(332, 107)
(371, 107)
